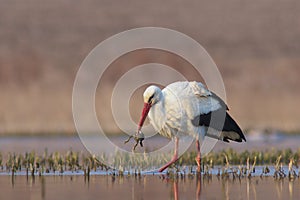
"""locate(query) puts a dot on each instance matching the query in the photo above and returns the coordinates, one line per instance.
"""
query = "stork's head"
(151, 96)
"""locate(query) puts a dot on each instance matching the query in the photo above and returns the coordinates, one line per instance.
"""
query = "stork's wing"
(230, 129)
(203, 108)
(216, 110)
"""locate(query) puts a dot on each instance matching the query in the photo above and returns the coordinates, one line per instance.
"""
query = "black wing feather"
(230, 129)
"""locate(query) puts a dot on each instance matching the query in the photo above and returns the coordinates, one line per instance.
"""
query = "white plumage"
(185, 108)
(177, 105)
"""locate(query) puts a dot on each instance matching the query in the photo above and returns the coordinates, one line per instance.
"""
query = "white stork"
(186, 108)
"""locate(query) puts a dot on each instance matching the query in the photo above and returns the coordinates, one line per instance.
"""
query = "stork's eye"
(150, 98)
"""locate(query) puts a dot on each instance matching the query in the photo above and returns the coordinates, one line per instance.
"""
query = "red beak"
(145, 112)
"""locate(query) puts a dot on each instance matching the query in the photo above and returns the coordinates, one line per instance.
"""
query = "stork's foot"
(162, 169)
(174, 159)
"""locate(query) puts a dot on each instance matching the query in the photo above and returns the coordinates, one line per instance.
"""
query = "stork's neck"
(157, 113)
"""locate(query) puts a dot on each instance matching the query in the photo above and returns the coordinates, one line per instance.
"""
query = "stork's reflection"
(176, 192)
(198, 183)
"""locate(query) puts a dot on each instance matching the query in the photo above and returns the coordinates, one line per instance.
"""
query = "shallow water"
(101, 186)
(182, 170)
(65, 143)
(146, 187)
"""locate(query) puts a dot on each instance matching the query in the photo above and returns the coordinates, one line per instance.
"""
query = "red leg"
(198, 158)
(174, 159)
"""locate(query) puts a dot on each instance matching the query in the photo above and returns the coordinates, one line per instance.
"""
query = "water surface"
(146, 187)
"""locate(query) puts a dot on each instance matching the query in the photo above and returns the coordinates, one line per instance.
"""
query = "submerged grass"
(228, 162)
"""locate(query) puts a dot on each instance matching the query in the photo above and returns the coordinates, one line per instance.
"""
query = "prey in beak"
(139, 136)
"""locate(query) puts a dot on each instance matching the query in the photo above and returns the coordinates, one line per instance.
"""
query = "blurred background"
(255, 45)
